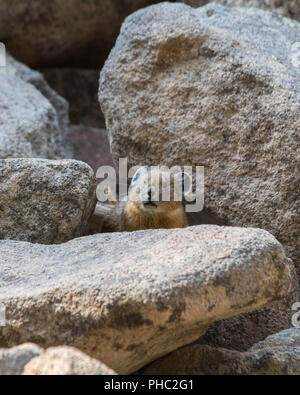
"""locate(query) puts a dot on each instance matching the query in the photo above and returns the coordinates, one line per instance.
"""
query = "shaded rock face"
(279, 354)
(45, 201)
(287, 8)
(13, 360)
(75, 32)
(129, 298)
(65, 361)
(33, 118)
(213, 86)
(91, 146)
(87, 132)
(80, 88)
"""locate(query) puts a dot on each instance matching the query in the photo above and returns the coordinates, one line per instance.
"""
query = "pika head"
(155, 190)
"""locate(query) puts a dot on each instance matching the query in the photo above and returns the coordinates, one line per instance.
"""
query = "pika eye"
(141, 171)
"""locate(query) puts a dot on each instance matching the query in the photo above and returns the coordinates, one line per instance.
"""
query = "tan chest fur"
(136, 219)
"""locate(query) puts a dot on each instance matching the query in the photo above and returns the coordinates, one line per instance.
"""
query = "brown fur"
(169, 216)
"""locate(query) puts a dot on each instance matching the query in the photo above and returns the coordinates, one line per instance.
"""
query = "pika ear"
(141, 171)
(184, 181)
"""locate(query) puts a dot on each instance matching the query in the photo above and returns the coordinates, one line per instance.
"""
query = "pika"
(154, 202)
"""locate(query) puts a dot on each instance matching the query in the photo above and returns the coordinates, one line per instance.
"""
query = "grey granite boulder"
(45, 201)
(13, 360)
(127, 299)
(218, 87)
(60, 104)
(287, 8)
(33, 118)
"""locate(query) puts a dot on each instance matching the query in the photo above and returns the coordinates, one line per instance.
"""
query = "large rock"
(80, 88)
(213, 86)
(277, 355)
(287, 8)
(13, 360)
(127, 299)
(45, 201)
(73, 32)
(33, 118)
(65, 361)
(60, 104)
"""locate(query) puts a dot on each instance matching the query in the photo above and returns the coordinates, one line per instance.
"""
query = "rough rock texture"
(45, 201)
(65, 361)
(127, 299)
(213, 86)
(61, 106)
(80, 88)
(91, 145)
(287, 8)
(33, 118)
(241, 332)
(13, 360)
(73, 32)
(277, 355)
